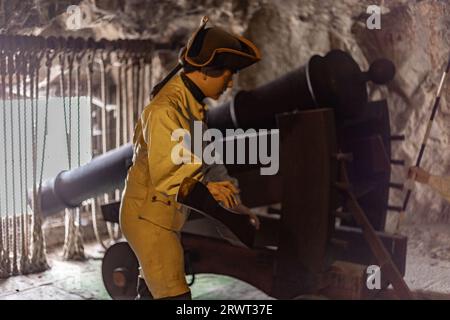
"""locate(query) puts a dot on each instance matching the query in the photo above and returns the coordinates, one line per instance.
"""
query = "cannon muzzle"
(69, 189)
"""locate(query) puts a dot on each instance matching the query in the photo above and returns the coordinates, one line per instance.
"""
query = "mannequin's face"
(213, 82)
(218, 82)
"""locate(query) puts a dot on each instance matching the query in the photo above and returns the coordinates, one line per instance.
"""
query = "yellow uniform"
(441, 185)
(149, 216)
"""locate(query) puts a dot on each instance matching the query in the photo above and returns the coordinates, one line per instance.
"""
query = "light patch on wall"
(56, 153)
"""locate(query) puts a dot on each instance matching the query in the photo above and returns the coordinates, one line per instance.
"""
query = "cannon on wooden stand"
(335, 151)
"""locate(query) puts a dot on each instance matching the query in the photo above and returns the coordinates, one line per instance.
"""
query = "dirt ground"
(428, 258)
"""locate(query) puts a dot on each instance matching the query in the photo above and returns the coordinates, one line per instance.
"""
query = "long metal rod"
(427, 132)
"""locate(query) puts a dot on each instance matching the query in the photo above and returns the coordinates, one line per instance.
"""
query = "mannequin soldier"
(150, 218)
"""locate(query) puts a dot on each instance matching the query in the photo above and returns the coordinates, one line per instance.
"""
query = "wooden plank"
(306, 224)
(382, 256)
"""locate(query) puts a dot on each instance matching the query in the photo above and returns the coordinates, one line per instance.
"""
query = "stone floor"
(74, 280)
(428, 271)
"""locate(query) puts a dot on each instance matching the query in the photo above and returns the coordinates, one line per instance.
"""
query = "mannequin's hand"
(418, 174)
(224, 192)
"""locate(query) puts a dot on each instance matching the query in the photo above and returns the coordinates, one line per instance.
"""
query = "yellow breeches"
(160, 255)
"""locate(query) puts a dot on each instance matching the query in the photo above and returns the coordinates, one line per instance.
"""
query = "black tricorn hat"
(217, 47)
(213, 47)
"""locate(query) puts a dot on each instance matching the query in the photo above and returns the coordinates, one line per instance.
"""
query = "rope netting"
(114, 79)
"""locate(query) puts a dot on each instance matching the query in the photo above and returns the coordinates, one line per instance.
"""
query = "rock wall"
(414, 35)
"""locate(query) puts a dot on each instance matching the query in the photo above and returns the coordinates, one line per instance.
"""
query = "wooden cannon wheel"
(120, 270)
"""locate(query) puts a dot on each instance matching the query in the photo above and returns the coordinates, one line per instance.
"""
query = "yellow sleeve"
(441, 185)
(166, 176)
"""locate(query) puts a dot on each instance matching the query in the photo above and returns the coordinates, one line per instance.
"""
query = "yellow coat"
(150, 219)
(153, 180)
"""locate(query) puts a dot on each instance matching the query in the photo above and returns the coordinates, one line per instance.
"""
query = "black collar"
(193, 88)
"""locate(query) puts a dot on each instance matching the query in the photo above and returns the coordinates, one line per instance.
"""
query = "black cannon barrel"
(333, 81)
(70, 188)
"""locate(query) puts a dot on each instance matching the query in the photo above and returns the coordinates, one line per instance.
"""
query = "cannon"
(332, 186)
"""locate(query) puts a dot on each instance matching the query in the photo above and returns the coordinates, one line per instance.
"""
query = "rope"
(11, 70)
(70, 59)
(67, 131)
(73, 244)
(103, 121)
(24, 261)
(20, 61)
(141, 72)
(21, 239)
(90, 71)
(34, 114)
(118, 106)
(118, 132)
(62, 83)
(121, 102)
(33, 140)
(38, 257)
(134, 96)
(4, 263)
(94, 223)
(103, 97)
(149, 85)
(128, 104)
